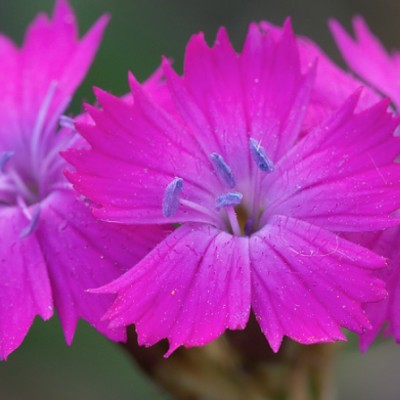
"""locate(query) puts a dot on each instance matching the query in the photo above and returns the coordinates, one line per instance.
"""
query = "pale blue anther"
(228, 199)
(223, 170)
(260, 157)
(67, 122)
(4, 158)
(172, 196)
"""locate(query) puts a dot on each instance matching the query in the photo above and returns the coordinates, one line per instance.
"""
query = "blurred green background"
(139, 33)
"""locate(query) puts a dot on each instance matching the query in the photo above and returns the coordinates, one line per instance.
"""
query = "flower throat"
(236, 218)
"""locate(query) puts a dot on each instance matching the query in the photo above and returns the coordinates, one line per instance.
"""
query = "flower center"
(19, 183)
(235, 217)
(32, 168)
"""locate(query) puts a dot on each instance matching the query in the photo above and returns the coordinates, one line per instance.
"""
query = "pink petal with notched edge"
(259, 93)
(52, 52)
(189, 289)
(61, 258)
(24, 284)
(166, 151)
(332, 85)
(339, 176)
(308, 282)
(275, 93)
(156, 87)
(171, 148)
(213, 105)
(383, 315)
(369, 59)
(344, 167)
(82, 253)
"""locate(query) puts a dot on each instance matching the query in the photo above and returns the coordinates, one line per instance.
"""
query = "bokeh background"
(139, 33)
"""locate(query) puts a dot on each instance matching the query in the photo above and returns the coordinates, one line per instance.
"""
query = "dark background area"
(139, 33)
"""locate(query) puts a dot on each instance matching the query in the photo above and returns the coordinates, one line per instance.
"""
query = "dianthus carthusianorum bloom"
(384, 314)
(369, 59)
(52, 248)
(255, 201)
(332, 85)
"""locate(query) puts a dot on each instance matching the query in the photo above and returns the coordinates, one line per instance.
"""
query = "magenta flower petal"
(152, 169)
(306, 287)
(275, 91)
(189, 289)
(235, 166)
(157, 89)
(369, 59)
(36, 82)
(384, 314)
(322, 169)
(53, 249)
(52, 58)
(332, 85)
(25, 287)
(52, 47)
(82, 253)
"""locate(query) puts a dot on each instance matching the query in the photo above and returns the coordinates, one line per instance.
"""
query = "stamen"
(248, 227)
(61, 186)
(172, 196)
(260, 157)
(4, 158)
(228, 199)
(223, 170)
(196, 207)
(51, 160)
(54, 116)
(20, 186)
(233, 221)
(40, 120)
(67, 122)
(33, 223)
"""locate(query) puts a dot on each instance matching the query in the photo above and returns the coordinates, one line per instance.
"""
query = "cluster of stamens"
(239, 221)
(31, 171)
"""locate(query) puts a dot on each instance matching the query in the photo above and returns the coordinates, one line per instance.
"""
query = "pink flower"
(369, 59)
(255, 202)
(52, 248)
(332, 85)
(385, 312)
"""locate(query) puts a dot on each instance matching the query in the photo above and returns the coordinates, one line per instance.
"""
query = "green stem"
(241, 366)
